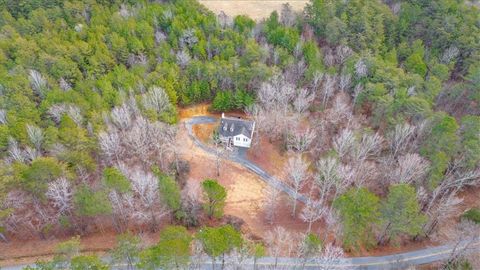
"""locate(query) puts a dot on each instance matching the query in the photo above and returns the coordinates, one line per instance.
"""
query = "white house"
(236, 131)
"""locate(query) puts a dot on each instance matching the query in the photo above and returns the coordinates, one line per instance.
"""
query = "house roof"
(230, 126)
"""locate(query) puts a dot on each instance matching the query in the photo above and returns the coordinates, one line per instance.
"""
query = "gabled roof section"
(231, 126)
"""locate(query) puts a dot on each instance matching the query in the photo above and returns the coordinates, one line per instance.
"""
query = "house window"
(238, 139)
(244, 139)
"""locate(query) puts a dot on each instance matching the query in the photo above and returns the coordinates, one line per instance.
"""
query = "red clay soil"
(28, 251)
(204, 132)
(244, 200)
(268, 156)
(245, 190)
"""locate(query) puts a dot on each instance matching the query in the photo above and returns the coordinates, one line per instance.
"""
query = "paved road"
(389, 262)
(395, 261)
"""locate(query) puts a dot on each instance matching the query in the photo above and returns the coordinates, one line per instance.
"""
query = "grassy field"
(256, 9)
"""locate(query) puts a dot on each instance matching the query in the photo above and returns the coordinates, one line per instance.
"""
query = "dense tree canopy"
(381, 98)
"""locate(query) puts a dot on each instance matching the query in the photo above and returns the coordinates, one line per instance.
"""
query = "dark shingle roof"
(235, 126)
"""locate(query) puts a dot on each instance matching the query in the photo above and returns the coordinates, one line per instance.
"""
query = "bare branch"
(60, 193)
(3, 117)
(38, 83)
(156, 99)
(35, 134)
(312, 212)
(344, 143)
(411, 168)
(400, 137)
(297, 173)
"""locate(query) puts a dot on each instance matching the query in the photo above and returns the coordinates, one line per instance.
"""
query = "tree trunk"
(218, 165)
(213, 263)
(383, 237)
(153, 226)
(294, 210)
(3, 237)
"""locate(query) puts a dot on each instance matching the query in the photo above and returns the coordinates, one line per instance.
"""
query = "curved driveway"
(239, 157)
(395, 261)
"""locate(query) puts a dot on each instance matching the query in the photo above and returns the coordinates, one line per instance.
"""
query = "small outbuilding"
(235, 131)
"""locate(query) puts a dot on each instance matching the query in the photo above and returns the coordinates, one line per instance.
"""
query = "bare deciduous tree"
(75, 114)
(31, 153)
(64, 85)
(331, 177)
(160, 36)
(317, 80)
(3, 117)
(38, 83)
(330, 256)
(462, 239)
(343, 52)
(110, 144)
(121, 116)
(344, 143)
(14, 150)
(280, 242)
(60, 193)
(183, 58)
(303, 100)
(274, 102)
(356, 92)
(35, 135)
(125, 11)
(297, 173)
(369, 146)
(123, 209)
(188, 38)
(300, 140)
(400, 137)
(411, 168)
(145, 188)
(449, 54)
(328, 88)
(344, 82)
(198, 255)
(156, 99)
(312, 212)
(287, 15)
(329, 57)
(224, 20)
(58, 110)
(191, 203)
(442, 210)
(361, 69)
(271, 203)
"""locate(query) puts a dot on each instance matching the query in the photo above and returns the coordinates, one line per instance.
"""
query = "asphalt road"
(394, 261)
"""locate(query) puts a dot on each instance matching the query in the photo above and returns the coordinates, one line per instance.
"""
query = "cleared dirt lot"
(256, 9)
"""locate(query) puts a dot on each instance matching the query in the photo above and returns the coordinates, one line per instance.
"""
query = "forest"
(375, 104)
